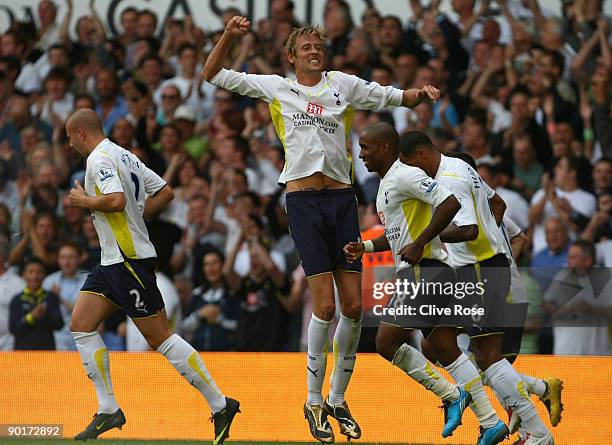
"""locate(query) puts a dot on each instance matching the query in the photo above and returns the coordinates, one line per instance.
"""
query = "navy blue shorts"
(511, 343)
(130, 285)
(321, 223)
(428, 303)
(494, 275)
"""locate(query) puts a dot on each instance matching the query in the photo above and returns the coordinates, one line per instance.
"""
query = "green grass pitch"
(26, 441)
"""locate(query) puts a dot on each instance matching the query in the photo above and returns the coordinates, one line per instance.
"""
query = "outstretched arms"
(236, 27)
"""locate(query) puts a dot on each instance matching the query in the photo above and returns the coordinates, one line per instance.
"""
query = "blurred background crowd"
(524, 92)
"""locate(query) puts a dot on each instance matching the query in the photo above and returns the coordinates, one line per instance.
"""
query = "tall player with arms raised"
(312, 116)
(119, 191)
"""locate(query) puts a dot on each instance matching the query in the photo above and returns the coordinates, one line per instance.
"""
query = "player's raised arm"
(414, 96)
(373, 96)
(236, 27)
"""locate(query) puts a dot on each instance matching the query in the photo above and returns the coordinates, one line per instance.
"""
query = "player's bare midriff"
(316, 181)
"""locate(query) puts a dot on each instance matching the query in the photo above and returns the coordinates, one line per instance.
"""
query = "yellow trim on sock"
(99, 358)
(192, 361)
(520, 387)
(431, 372)
(469, 385)
(335, 350)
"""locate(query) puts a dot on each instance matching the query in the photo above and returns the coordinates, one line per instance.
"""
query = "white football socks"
(509, 385)
(534, 385)
(317, 358)
(346, 341)
(414, 363)
(467, 376)
(94, 356)
(190, 365)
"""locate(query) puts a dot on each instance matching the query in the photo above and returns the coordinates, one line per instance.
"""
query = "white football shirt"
(313, 123)
(111, 169)
(518, 291)
(473, 195)
(406, 200)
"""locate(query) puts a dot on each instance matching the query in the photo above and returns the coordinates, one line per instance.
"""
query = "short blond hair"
(312, 30)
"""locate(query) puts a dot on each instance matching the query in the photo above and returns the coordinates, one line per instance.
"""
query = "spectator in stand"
(196, 94)
(170, 100)
(38, 238)
(211, 320)
(527, 171)
(602, 177)
(34, 313)
(580, 305)
(261, 323)
(546, 262)
(10, 285)
(517, 208)
(111, 105)
(66, 284)
(561, 197)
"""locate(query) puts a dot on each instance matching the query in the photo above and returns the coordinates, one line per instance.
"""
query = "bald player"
(120, 191)
(415, 209)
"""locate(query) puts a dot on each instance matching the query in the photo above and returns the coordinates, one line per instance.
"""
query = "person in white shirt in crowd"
(197, 94)
(253, 226)
(8, 189)
(10, 285)
(57, 103)
(517, 207)
(15, 43)
(580, 302)
(48, 32)
(559, 197)
(66, 284)
(55, 57)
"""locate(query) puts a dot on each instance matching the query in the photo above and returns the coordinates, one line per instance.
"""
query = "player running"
(548, 390)
(415, 209)
(476, 251)
(120, 191)
(312, 116)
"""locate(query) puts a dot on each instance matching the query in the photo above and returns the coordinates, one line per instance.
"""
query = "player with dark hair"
(415, 210)
(476, 250)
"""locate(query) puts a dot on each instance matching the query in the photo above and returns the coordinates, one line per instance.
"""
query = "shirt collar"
(39, 293)
(101, 144)
(392, 169)
(442, 166)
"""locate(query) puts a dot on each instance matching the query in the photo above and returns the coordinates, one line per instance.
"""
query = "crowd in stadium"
(524, 92)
